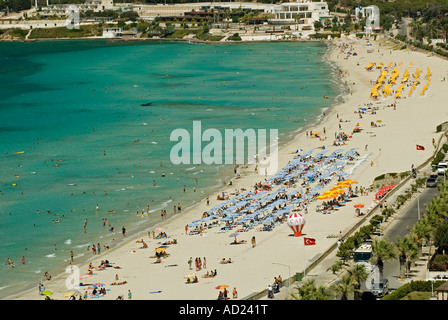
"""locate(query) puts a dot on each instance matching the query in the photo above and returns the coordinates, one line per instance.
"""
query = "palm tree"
(444, 26)
(383, 250)
(421, 233)
(359, 274)
(335, 267)
(432, 27)
(346, 287)
(309, 291)
(407, 251)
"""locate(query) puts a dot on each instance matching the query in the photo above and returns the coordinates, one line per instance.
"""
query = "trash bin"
(298, 276)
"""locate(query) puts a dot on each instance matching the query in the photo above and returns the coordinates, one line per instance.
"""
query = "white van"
(441, 168)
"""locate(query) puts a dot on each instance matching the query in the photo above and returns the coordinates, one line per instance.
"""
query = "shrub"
(440, 155)
(439, 262)
(376, 220)
(437, 266)
(419, 285)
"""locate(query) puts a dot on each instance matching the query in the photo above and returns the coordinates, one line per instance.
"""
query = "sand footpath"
(390, 146)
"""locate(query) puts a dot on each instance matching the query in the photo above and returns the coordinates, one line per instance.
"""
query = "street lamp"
(289, 271)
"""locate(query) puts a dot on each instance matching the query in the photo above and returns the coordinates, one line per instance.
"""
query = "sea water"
(85, 134)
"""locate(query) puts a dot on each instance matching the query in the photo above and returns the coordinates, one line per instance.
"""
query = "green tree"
(383, 250)
(441, 238)
(359, 274)
(421, 231)
(335, 267)
(318, 25)
(345, 288)
(310, 291)
(406, 252)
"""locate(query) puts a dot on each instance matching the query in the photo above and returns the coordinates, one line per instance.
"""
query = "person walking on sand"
(190, 261)
(123, 231)
(234, 293)
(253, 242)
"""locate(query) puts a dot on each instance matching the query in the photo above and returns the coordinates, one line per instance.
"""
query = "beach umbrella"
(343, 185)
(159, 249)
(98, 284)
(159, 229)
(268, 220)
(191, 275)
(71, 293)
(47, 293)
(332, 195)
(234, 235)
(359, 205)
(221, 287)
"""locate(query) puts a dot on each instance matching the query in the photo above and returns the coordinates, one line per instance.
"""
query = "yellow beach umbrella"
(343, 185)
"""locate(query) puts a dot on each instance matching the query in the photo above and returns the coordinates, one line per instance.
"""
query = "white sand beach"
(391, 147)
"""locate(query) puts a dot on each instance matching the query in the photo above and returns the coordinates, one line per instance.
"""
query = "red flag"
(309, 241)
(419, 147)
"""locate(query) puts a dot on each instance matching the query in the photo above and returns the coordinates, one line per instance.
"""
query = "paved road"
(406, 219)
(398, 228)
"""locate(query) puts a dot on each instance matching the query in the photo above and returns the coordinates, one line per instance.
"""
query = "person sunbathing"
(207, 275)
(158, 260)
(224, 261)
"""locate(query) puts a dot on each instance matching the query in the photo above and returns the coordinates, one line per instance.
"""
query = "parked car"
(432, 181)
(442, 167)
(380, 288)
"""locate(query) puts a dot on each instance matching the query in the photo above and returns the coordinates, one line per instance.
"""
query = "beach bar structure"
(442, 291)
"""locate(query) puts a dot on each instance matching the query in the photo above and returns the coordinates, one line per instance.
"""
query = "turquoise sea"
(74, 134)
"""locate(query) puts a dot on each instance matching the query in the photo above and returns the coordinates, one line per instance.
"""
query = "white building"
(302, 13)
(62, 9)
(112, 32)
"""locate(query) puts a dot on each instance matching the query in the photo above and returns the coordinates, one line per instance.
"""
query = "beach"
(389, 146)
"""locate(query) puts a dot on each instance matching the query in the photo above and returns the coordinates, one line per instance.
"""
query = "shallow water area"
(85, 134)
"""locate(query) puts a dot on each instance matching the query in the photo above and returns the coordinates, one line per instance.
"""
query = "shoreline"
(194, 40)
(285, 155)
